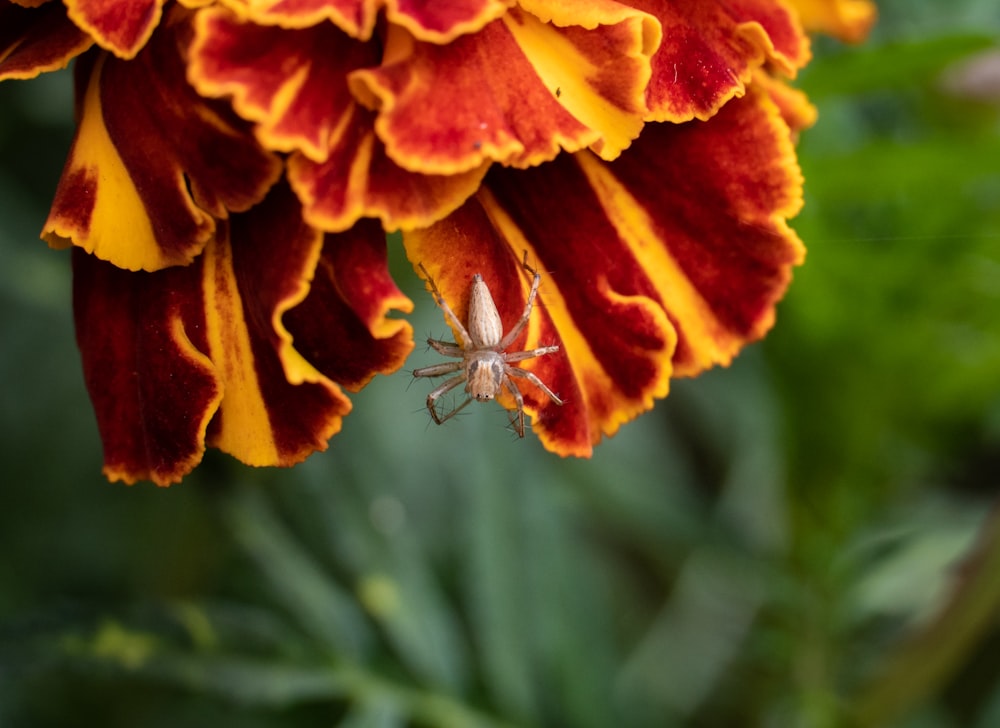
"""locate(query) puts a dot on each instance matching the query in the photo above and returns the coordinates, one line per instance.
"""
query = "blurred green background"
(807, 538)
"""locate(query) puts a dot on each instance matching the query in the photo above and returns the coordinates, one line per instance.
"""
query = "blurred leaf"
(920, 665)
(323, 609)
(871, 67)
(382, 714)
(496, 592)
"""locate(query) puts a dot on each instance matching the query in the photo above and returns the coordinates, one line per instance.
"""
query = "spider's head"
(484, 375)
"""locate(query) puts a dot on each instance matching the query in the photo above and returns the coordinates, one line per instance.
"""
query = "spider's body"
(485, 365)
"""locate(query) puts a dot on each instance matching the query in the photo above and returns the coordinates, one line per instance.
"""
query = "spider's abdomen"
(485, 326)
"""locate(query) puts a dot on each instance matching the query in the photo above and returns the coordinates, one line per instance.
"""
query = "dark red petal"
(120, 26)
(711, 49)
(342, 328)
(36, 40)
(302, 110)
(662, 263)
(153, 164)
(278, 408)
(359, 180)
(142, 343)
(516, 92)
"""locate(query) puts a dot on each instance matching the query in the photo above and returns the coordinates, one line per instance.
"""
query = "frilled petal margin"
(439, 22)
(849, 20)
(516, 92)
(359, 180)
(660, 264)
(142, 342)
(442, 22)
(710, 51)
(795, 107)
(37, 40)
(303, 110)
(153, 165)
(208, 352)
(120, 26)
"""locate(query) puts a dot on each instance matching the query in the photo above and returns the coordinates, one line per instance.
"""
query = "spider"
(485, 365)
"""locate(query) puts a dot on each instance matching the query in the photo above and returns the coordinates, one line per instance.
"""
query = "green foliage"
(803, 539)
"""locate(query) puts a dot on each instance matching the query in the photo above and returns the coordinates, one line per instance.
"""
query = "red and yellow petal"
(359, 180)
(717, 198)
(615, 343)
(120, 26)
(516, 92)
(277, 409)
(430, 20)
(139, 188)
(795, 107)
(354, 17)
(662, 263)
(849, 20)
(238, 350)
(290, 83)
(442, 22)
(711, 49)
(446, 109)
(343, 328)
(142, 345)
(36, 40)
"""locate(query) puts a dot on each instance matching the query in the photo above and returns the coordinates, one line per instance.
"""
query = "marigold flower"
(237, 164)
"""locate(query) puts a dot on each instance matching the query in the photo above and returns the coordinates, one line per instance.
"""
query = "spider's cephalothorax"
(485, 365)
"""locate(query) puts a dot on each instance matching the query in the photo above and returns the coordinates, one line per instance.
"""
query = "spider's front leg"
(433, 397)
(465, 342)
(446, 348)
(526, 314)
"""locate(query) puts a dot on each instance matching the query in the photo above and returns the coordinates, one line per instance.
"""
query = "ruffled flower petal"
(795, 107)
(120, 26)
(431, 20)
(354, 17)
(291, 83)
(153, 165)
(661, 264)
(711, 49)
(211, 352)
(359, 180)
(266, 416)
(343, 327)
(517, 92)
(442, 22)
(36, 40)
(615, 343)
(849, 20)
(153, 388)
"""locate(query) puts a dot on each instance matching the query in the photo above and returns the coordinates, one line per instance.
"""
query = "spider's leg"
(531, 353)
(436, 370)
(517, 420)
(454, 411)
(523, 374)
(444, 389)
(446, 347)
(525, 315)
(466, 340)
